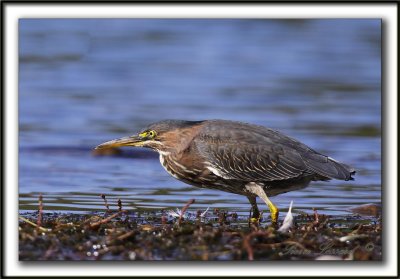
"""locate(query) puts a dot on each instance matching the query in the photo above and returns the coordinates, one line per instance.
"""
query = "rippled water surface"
(83, 82)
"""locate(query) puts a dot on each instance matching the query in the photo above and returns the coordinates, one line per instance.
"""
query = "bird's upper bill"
(125, 141)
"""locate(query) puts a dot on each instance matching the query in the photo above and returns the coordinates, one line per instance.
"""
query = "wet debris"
(209, 234)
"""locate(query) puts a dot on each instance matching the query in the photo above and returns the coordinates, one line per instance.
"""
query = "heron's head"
(163, 136)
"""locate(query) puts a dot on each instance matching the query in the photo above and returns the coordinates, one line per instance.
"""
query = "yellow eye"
(148, 134)
(151, 134)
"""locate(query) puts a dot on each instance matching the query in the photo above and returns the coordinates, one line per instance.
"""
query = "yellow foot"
(254, 220)
(259, 191)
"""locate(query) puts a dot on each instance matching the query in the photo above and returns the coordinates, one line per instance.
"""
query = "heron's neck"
(163, 153)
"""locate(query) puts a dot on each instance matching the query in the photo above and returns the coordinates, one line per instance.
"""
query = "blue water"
(86, 81)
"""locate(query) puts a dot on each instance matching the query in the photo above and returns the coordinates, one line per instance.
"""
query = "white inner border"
(13, 267)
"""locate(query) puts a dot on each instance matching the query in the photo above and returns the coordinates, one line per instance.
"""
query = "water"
(83, 82)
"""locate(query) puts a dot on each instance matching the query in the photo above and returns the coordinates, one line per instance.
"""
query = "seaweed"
(219, 235)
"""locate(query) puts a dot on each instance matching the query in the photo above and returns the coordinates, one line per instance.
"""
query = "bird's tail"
(329, 167)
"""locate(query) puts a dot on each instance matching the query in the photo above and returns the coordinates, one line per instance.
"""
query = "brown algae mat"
(184, 235)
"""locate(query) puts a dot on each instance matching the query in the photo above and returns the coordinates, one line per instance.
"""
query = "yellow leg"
(274, 212)
(259, 191)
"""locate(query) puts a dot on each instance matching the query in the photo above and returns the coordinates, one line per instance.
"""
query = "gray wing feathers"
(252, 163)
(263, 154)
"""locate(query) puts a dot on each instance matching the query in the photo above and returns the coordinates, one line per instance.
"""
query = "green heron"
(235, 157)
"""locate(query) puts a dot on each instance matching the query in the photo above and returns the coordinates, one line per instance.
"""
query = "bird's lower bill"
(126, 141)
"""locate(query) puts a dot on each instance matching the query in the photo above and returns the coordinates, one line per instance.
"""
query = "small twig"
(250, 214)
(125, 235)
(105, 202)
(247, 244)
(222, 218)
(163, 217)
(39, 220)
(33, 224)
(279, 244)
(356, 231)
(106, 220)
(119, 205)
(191, 201)
(316, 216)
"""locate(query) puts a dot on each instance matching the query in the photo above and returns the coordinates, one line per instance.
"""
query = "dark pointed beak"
(125, 141)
